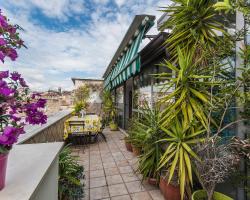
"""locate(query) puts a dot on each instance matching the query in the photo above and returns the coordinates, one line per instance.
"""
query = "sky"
(70, 38)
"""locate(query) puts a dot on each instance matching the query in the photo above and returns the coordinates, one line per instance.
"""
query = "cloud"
(120, 2)
(54, 56)
(60, 9)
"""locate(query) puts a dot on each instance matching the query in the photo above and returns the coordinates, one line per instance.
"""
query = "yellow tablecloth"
(92, 123)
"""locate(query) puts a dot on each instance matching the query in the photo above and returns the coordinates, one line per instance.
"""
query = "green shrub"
(70, 176)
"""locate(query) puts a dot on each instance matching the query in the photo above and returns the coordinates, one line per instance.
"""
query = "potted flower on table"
(18, 107)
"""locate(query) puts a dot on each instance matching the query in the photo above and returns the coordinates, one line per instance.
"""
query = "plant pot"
(136, 150)
(3, 166)
(169, 191)
(202, 195)
(113, 127)
(128, 146)
(152, 181)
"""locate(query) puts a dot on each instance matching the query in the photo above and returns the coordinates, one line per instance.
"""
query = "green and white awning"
(128, 64)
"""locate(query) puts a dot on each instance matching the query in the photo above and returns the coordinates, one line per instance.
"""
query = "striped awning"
(128, 64)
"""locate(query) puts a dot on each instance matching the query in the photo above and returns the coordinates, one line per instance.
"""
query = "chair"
(100, 133)
(78, 136)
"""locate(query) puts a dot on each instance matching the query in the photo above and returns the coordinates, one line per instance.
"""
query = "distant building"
(57, 100)
(96, 87)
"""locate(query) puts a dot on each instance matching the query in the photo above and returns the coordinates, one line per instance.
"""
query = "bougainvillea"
(18, 106)
(9, 39)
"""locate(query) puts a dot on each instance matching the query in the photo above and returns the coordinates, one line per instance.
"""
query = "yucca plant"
(181, 141)
(192, 23)
(150, 127)
(189, 85)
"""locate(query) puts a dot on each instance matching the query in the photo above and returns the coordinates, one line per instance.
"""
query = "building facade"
(129, 75)
(96, 87)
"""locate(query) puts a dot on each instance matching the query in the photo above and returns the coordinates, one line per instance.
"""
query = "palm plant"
(178, 154)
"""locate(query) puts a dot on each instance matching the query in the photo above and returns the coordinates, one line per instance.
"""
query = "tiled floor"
(110, 171)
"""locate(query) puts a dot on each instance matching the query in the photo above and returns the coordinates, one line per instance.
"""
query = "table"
(80, 126)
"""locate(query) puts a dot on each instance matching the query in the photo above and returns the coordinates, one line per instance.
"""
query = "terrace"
(109, 169)
(173, 115)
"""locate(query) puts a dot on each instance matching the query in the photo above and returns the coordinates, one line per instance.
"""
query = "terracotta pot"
(128, 146)
(3, 166)
(152, 181)
(136, 150)
(170, 192)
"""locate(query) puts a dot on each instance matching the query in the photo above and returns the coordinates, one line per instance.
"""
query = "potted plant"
(109, 110)
(148, 126)
(79, 106)
(170, 190)
(201, 194)
(19, 107)
(216, 165)
(128, 143)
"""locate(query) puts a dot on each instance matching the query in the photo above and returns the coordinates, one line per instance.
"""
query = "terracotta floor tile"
(135, 186)
(96, 173)
(117, 190)
(115, 179)
(123, 197)
(99, 193)
(111, 171)
(109, 165)
(141, 196)
(156, 194)
(97, 182)
(125, 169)
(129, 177)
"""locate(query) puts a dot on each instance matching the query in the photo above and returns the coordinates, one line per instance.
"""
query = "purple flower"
(3, 21)
(22, 82)
(10, 135)
(2, 42)
(11, 29)
(5, 91)
(12, 54)
(15, 118)
(36, 117)
(15, 76)
(41, 103)
(4, 74)
(2, 56)
(3, 83)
